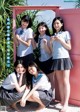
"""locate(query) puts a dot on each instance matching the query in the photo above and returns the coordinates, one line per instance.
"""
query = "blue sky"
(52, 2)
(48, 15)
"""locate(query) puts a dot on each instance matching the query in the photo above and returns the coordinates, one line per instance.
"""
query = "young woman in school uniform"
(13, 87)
(41, 91)
(23, 40)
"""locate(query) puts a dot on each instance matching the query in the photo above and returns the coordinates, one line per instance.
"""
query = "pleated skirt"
(62, 64)
(45, 96)
(8, 97)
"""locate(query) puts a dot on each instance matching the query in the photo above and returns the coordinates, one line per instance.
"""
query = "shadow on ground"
(31, 107)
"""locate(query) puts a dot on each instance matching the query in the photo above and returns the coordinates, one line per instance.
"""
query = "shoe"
(58, 106)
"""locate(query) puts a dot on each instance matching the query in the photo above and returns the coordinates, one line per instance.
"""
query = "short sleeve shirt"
(44, 55)
(44, 84)
(58, 50)
(10, 81)
(23, 50)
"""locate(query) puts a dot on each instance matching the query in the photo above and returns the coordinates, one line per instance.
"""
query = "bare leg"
(66, 89)
(37, 99)
(59, 75)
(34, 98)
(15, 107)
(51, 78)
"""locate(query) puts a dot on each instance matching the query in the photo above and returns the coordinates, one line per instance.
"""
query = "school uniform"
(8, 93)
(44, 89)
(60, 55)
(24, 52)
(45, 59)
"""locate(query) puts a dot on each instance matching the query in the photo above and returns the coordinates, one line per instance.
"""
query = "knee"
(35, 94)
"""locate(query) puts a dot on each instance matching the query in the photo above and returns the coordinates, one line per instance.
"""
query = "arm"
(21, 78)
(33, 43)
(50, 43)
(27, 95)
(27, 43)
(17, 85)
(46, 46)
(32, 91)
(39, 84)
(29, 37)
(16, 42)
(66, 45)
(20, 89)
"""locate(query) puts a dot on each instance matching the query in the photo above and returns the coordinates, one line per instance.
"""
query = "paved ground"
(31, 107)
(52, 108)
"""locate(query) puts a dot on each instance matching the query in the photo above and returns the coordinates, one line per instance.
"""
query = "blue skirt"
(62, 64)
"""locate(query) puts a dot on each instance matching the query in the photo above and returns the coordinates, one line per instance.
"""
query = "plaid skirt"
(62, 64)
(8, 97)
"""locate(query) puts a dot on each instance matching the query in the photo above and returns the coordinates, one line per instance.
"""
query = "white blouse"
(10, 81)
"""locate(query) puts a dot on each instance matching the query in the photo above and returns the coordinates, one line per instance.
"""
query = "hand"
(24, 71)
(52, 38)
(23, 103)
(45, 41)
(57, 38)
(21, 73)
(27, 90)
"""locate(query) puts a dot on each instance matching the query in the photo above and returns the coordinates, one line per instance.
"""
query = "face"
(24, 24)
(42, 30)
(20, 69)
(32, 70)
(57, 25)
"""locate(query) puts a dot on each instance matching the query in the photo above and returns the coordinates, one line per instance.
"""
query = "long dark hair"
(24, 80)
(37, 32)
(61, 20)
(29, 76)
(18, 62)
